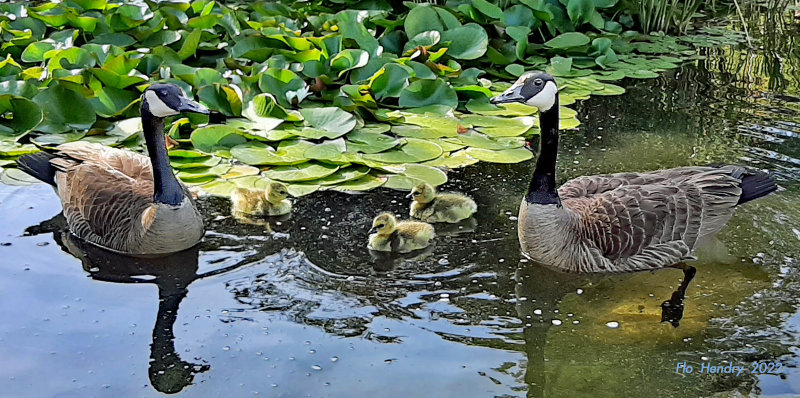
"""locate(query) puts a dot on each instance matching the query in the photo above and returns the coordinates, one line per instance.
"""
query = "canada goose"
(626, 221)
(429, 206)
(401, 237)
(261, 202)
(120, 200)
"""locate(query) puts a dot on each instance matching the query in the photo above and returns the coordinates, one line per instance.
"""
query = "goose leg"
(672, 309)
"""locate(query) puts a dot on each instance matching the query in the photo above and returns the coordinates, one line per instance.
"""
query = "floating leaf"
(24, 115)
(366, 183)
(568, 40)
(428, 92)
(63, 110)
(257, 153)
(334, 121)
(515, 155)
(410, 175)
(453, 160)
(500, 126)
(302, 172)
(212, 138)
(342, 175)
(328, 150)
(366, 142)
(413, 151)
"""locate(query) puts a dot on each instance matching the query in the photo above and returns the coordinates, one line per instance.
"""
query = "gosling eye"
(282, 192)
(538, 82)
(379, 226)
(416, 193)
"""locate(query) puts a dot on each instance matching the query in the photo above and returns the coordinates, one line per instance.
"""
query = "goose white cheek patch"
(157, 107)
(545, 99)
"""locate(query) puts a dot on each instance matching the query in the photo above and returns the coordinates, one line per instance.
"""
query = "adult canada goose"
(626, 221)
(120, 200)
(401, 237)
(430, 206)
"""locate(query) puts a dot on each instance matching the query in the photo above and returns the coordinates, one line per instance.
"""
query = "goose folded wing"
(103, 204)
(643, 226)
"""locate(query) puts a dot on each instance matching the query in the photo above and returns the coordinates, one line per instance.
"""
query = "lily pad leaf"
(453, 160)
(568, 40)
(364, 183)
(64, 110)
(303, 172)
(410, 175)
(257, 153)
(328, 150)
(515, 155)
(343, 175)
(413, 151)
(212, 138)
(428, 92)
(335, 121)
(25, 115)
(466, 42)
(367, 142)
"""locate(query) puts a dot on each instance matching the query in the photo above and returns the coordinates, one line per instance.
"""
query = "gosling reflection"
(387, 261)
(172, 275)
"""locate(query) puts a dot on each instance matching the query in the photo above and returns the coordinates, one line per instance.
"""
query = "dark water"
(299, 308)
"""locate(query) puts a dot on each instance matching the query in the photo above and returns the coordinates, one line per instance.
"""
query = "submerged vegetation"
(362, 95)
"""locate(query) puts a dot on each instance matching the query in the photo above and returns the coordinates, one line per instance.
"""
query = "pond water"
(298, 307)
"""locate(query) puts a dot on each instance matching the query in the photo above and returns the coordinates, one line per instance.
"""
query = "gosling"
(399, 237)
(259, 202)
(429, 206)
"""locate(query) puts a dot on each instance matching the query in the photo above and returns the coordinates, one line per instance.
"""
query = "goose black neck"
(542, 188)
(167, 189)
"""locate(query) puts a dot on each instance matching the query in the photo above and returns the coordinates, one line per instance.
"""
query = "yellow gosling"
(259, 202)
(429, 206)
(399, 237)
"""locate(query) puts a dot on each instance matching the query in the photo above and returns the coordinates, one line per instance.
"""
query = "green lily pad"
(343, 175)
(410, 175)
(426, 92)
(365, 183)
(515, 155)
(219, 188)
(413, 151)
(257, 153)
(334, 121)
(298, 190)
(567, 40)
(190, 163)
(466, 42)
(453, 160)
(53, 140)
(328, 150)
(25, 115)
(499, 126)
(367, 142)
(212, 138)
(241, 170)
(17, 177)
(303, 172)
(63, 110)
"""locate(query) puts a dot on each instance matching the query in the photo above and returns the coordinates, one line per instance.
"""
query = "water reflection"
(171, 274)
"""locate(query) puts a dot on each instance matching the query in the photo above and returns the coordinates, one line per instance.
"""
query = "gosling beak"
(373, 230)
(188, 105)
(513, 94)
(410, 195)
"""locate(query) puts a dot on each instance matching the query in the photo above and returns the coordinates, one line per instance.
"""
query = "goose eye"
(538, 82)
(416, 193)
(379, 226)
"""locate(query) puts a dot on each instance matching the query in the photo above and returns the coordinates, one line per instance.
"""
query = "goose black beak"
(188, 105)
(513, 94)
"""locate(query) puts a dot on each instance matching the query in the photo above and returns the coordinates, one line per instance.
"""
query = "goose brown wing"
(631, 220)
(104, 192)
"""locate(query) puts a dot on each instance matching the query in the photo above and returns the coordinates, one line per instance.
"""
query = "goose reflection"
(171, 274)
(540, 291)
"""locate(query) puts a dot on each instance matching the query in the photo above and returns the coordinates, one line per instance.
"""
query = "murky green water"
(299, 308)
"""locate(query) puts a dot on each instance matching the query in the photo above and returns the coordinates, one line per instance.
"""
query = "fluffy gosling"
(259, 202)
(429, 206)
(399, 237)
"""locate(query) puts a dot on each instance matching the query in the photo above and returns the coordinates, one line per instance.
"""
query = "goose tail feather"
(38, 165)
(755, 185)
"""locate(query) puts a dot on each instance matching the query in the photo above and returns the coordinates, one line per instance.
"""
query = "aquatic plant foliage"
(349, 99)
